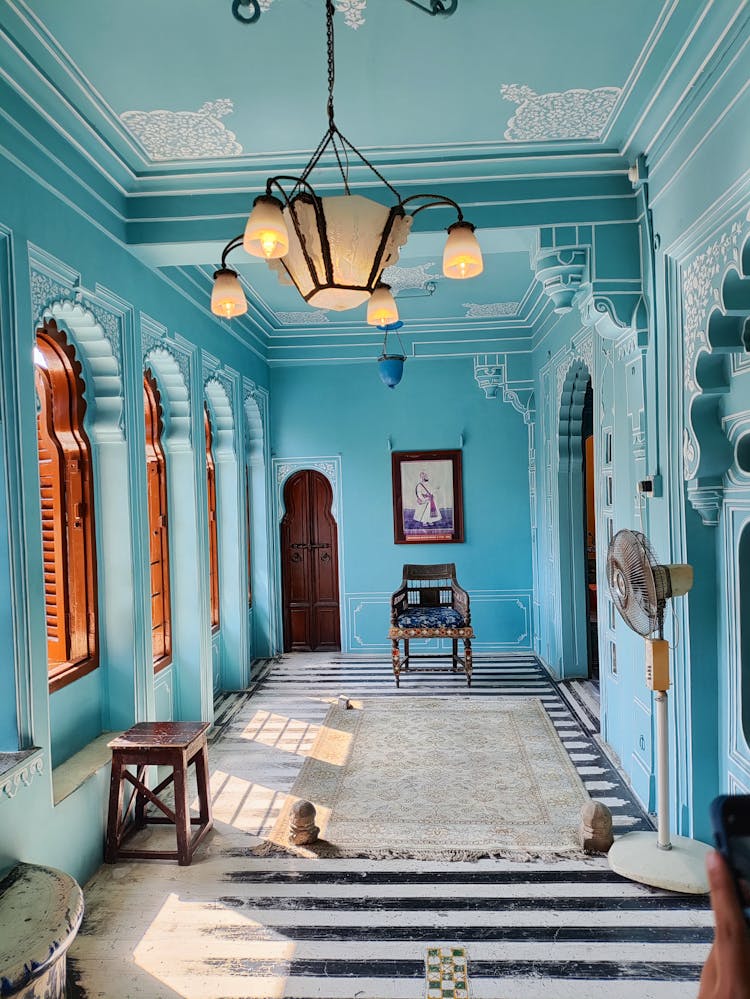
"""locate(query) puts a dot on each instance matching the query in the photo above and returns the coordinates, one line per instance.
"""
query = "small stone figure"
(343, 702)
(302, 828)
(595, 831)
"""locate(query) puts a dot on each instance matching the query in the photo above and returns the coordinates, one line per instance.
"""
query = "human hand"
(726, 973)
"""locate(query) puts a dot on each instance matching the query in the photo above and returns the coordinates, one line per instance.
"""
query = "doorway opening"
(309, 565)
(589, 493)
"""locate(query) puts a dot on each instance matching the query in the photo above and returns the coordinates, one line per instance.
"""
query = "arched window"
(67, 500)
(156, 478)
(213, 535)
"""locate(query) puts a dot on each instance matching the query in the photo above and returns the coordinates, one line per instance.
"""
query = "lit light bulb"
(382, 309)
(462, 257)
(266, 234)
(227, 298)
(268, 243)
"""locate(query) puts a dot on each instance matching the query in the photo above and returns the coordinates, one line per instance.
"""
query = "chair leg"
(468, 665)
(455, 655)
(396, 658)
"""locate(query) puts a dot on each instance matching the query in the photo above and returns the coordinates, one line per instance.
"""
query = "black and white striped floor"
(235, 925)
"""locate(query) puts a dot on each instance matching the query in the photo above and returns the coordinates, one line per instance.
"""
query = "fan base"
(683, 868)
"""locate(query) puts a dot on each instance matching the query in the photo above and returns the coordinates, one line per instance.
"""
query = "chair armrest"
(461, 601)
(399, 603)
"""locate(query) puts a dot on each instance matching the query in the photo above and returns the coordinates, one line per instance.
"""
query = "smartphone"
(730, 818)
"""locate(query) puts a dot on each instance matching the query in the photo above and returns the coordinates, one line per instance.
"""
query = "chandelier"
(334, 249)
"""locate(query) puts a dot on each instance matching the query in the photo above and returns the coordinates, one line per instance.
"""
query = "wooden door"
(309, 566)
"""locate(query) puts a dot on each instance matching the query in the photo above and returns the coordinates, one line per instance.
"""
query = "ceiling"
(527, 113)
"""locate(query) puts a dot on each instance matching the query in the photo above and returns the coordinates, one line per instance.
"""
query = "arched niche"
(231, 666)
(260, 616)
(571, 521)
(173, 686)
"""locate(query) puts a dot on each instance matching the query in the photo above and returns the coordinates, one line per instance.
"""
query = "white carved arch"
(222, 417)
(101, 374)
(175, 396)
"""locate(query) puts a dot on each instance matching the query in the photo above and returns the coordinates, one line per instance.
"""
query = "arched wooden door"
(309, 565)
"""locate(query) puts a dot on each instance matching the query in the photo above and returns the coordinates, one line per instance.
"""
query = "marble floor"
(235, 925)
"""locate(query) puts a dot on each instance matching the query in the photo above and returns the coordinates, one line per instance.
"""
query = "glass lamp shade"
(382, 309)
(462, 257)
(266, 233)
(391, 368)
(348, 240)
(227, 298)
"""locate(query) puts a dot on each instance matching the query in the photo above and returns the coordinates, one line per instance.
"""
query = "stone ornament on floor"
(595, 832)
(302, 828)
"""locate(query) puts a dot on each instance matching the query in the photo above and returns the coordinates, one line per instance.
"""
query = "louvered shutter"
(156, 484)
(51, 477)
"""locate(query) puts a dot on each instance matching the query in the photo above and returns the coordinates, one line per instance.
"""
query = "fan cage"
(638, 585)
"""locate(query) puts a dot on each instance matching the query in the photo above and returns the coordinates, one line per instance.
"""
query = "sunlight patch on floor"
(186, 945)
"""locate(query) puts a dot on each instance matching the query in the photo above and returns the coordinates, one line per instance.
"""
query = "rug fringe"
(323, 850)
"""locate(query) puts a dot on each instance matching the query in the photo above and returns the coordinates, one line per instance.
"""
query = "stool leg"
(396, 658)
(467, 660)
(204, 791)
(181, 812)
(114, 815)
(140, 800)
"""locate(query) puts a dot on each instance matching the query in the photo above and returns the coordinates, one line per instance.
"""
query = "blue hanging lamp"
(391, 366)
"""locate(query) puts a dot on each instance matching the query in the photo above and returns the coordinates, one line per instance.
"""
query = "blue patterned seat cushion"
(430, 617)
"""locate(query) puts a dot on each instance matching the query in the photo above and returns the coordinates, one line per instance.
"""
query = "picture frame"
(427, 497)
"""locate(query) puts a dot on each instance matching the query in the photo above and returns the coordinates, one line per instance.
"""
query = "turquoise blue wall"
(653, 308)
(671, 381)
(58, 262)
(346, 411)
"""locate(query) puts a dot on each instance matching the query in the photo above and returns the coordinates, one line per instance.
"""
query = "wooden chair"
(430, 604)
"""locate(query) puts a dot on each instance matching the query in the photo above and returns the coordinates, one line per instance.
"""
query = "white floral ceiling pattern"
(493, 310)
(569, 114)
(353, 10)
(403, 278)
(184, 135)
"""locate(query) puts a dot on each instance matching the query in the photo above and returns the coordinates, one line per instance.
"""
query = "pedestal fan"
(640, 588)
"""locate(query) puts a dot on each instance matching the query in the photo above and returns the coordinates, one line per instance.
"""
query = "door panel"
(309, 552)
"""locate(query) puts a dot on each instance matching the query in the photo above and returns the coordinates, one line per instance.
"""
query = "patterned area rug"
(438, 780)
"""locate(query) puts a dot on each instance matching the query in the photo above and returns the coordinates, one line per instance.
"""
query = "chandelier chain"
(331, 63)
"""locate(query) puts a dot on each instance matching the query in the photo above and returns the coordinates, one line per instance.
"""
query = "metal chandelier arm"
(231, 245)
(435, 201)
(443, 7)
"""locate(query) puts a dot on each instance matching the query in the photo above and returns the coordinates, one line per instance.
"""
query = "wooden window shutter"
(156, 484)
(213, 533)
(67, 504)
(54, 557)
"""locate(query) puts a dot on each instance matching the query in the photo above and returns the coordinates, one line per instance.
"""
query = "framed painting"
(427, 499)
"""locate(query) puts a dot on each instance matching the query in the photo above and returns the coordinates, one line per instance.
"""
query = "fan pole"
(662, 772)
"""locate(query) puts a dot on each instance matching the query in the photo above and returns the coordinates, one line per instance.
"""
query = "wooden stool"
(172, 744)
